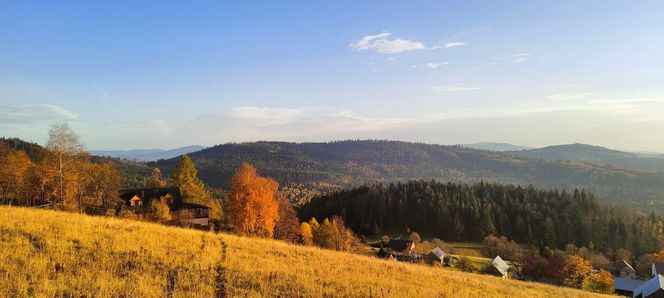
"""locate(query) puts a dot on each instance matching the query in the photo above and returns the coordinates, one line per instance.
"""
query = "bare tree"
(66, 146)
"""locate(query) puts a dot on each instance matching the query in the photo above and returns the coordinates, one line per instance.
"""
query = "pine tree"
(185, 176)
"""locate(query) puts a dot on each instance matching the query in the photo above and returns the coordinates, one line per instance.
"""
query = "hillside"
(597, 155)
(48, 253)
(461, 212)
(147, 154)
(351, 163)
(500, 147)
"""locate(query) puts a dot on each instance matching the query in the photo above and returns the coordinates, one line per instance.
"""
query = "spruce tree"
(185, 176)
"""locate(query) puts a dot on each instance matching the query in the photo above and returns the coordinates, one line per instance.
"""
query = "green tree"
(185, 176)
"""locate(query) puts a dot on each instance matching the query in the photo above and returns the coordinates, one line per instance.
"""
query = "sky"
(164, 74)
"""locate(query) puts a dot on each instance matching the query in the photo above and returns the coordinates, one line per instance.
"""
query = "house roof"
(149, 194)
(622, 264)
(651, 286)
(659, 267)
(399, 245)
(500, 265)
(438, 252)
(625, 284)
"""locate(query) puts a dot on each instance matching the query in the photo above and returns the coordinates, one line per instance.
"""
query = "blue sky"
(162, 74)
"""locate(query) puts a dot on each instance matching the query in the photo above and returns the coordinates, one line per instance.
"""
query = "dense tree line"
(354, 163)
(60, 175)
(462, 212)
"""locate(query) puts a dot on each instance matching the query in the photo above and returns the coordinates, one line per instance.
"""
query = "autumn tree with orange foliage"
(600, 282)
(575, 270)
(253, 208)
(578, 273)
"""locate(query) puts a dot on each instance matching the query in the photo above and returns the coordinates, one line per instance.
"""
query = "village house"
(498, 267)
(139, 201)
(653, 288)
(438, 256)
(400, 248)
(657, 268)
(622, 269)
(626, 286)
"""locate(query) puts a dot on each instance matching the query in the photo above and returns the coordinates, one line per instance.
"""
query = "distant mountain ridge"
(148, 154)
(597, 155)
(500, 147)
(352, 163)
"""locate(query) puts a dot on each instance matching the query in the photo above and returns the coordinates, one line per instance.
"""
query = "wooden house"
(657, 268)
(653, 288)
(498, 267)
(400, 248)
(140, 201)
(438, 256)
(626, 286)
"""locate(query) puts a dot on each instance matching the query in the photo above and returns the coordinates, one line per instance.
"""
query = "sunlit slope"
(47, 253)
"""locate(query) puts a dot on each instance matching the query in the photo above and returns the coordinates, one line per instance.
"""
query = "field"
(49, 253)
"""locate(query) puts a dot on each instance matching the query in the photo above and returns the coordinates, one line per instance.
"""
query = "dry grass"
(47, 253)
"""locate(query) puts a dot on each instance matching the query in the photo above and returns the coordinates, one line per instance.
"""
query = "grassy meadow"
(47, 253)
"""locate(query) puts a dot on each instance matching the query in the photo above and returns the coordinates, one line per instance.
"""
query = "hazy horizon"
(161, 75)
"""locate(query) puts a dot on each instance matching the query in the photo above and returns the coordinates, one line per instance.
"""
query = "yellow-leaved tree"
(253, 208)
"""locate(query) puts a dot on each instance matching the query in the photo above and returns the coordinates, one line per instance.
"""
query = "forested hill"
(461, 212)
(353, 163)
(597, 155)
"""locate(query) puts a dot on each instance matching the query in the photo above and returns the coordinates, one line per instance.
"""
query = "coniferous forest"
(462, 212)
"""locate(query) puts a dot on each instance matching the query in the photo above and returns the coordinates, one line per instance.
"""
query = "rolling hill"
(352, 163)
(597, 155)
(500, 147)
(56, 254)
(147, 154)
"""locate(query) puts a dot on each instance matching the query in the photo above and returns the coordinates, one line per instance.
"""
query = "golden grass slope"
(48, 253)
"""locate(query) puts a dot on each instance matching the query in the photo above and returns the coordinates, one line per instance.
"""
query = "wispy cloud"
(384, 44)
(430, 65)
(569, 96)
(520, 57)
(33, 113)
(433, 65)
(267, 115)
(450, 45)
(453, 88)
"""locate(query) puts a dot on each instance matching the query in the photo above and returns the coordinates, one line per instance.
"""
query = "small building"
(498, 267)
(653, 288)
(400, 248)
(622, 269)
(438, 256)
(657, 268)
(626, 286)
(139, 201)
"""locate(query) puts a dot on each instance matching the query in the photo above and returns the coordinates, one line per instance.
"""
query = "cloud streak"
(35, 113)
(384, 43)
(453, 88)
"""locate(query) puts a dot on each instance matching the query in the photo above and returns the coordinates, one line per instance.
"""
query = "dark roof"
(659, 267)
(622, 264)
(624, 284)
(399, 245)
(149, 194)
